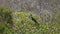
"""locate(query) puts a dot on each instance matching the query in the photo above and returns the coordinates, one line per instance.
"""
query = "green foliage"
(5, 20)
(5, 15)
(20, 23)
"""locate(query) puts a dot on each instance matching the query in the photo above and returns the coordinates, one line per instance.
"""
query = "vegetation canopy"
(18, 22)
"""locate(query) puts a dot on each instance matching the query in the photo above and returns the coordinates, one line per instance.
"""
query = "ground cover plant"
(18, 22)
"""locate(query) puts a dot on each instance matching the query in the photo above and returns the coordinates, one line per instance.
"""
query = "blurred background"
(43, 8)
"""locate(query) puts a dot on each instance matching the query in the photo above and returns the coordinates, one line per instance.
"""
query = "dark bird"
(33, 19)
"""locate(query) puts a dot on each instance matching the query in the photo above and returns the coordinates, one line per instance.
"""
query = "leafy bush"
(22, 23)
(5, 20)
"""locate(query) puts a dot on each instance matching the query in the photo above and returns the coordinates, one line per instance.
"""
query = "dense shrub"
(22, 23)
